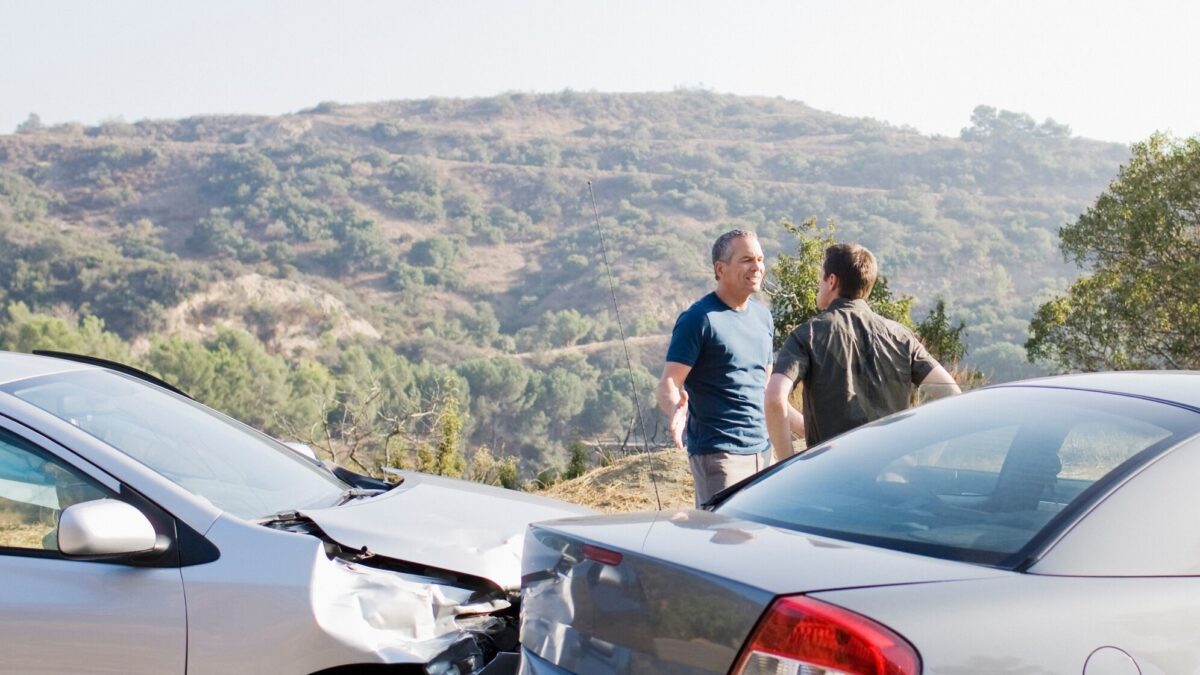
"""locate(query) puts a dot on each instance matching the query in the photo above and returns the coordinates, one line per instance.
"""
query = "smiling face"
(741, 275)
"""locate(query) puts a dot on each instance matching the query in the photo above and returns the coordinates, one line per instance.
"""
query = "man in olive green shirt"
(856, 366)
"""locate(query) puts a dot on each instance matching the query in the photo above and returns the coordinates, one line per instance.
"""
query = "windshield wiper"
(282, 518)
(357, 479)
(356, 493)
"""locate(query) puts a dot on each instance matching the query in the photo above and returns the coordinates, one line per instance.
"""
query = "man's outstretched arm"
(938, 383)
(673, 399)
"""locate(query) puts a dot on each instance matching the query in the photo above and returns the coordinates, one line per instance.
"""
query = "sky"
(1115, 71)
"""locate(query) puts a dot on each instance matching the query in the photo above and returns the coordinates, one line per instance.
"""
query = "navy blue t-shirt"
(729, 352)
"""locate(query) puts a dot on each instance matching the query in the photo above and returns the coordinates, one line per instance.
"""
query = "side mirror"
(105, 528)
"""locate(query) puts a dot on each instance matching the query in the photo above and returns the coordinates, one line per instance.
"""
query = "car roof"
(1176, 386)
(14, 366)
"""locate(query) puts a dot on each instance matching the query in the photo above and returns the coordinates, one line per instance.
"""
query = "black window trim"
(112, 365)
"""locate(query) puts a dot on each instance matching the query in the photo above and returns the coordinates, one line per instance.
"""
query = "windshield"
(236, 468)
(976, 477)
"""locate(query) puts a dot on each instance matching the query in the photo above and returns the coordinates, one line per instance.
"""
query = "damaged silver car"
(143, 532)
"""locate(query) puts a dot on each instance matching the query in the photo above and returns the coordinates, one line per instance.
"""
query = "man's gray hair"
(723, 246)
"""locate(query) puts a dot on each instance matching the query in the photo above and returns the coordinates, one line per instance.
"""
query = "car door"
(62, 615)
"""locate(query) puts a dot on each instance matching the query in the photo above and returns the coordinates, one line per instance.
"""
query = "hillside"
(637, 482)
(453, 242)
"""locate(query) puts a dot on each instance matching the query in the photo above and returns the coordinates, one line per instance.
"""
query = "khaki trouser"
(715, 471)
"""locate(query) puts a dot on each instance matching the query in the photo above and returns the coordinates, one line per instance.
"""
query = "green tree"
(484, 467)
(448, 456)
(886, 304)
(577, 465)
(797, 277)
(507, 474)
(311, 392)
(23, 331)
(360, 245)
(230, 371)
(31, 125)
(946, 342)
(1138, 307)
(941, 337)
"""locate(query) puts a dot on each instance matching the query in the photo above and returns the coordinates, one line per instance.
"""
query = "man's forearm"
(795, 421)
(937, 384)
(779, 429)
(668, 396)
(779, 412)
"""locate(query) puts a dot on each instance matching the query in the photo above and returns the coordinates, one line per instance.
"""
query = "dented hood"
(446, 523)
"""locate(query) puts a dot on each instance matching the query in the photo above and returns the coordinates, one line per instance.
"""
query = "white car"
(143, 532)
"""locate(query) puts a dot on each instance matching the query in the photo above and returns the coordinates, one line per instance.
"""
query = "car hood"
(450, 524)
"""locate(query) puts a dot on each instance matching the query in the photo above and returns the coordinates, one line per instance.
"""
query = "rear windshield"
(980, 477)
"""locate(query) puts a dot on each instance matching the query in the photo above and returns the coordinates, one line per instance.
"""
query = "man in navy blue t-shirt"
(716, 372)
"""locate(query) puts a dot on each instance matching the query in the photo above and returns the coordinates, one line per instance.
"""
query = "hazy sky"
(1111, 70)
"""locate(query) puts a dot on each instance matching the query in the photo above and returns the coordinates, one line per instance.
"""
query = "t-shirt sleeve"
(687, 338)
(923, 362)
(793, 359)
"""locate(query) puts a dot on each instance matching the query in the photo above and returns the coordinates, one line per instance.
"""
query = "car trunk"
(679, 592)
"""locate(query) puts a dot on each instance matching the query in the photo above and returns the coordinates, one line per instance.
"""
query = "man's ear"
(835, 284)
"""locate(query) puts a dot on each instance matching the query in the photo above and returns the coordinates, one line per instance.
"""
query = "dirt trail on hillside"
(593, 347)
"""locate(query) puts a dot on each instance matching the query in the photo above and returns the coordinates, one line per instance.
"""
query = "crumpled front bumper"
(397, 617)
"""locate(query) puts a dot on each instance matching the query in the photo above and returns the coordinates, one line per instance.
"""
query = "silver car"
(1040, 527)
(143, 532)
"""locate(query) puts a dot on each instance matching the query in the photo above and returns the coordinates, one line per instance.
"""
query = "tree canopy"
(1140, 242)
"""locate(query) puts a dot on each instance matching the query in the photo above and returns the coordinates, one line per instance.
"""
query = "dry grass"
(626, 484)
(24, 536)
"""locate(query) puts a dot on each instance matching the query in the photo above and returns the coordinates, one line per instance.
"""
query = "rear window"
(981, 477)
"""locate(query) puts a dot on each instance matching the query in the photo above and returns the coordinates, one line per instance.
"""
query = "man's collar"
(745, 305)
(856, 304)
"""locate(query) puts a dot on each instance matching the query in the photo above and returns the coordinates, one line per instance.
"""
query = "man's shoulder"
(860, 311)
(696, 315)
(704, 305)
(891, 326)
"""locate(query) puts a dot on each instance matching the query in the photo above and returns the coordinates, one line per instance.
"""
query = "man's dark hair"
(855, 268)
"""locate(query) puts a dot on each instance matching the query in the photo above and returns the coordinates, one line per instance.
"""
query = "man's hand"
(673, 399)
(678, 422)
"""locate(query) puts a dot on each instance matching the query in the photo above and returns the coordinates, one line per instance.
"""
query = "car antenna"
(637, 405)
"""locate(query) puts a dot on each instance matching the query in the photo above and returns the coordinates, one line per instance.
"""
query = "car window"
(34, 488)
(978, 451)
(234, 467)
(976, 477)
(1093, 445)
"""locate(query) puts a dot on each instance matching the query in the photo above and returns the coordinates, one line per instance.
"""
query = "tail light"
(602, 555)
(800, 635)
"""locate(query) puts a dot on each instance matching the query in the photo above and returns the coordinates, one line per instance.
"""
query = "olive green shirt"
(856, 367)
